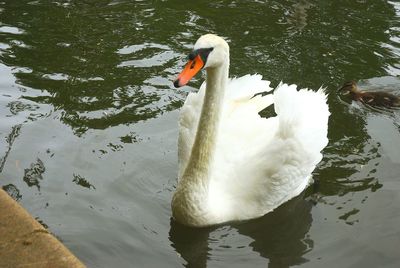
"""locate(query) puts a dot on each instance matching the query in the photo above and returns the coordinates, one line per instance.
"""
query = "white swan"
(233, 164)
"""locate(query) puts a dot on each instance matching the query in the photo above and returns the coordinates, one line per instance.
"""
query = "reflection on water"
(392, 66)
(12, 191)
(298, 17)
(191, 244)
(79, 180)
(280, 237)
(9, 140)
(81, 67)
(33, 174)
(88, 127)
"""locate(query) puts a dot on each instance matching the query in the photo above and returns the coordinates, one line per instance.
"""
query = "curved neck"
(204, 144)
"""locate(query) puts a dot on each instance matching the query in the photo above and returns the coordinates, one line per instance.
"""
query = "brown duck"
(373, 98)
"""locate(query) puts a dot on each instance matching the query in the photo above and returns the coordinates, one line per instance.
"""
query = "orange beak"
(191, 69)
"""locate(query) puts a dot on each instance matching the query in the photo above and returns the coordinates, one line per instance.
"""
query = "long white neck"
(189, 204)
(203, 149)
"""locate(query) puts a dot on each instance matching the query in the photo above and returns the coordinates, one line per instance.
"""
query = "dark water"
(88, 127)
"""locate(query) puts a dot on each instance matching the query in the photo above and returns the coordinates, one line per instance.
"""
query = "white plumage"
(244, 166)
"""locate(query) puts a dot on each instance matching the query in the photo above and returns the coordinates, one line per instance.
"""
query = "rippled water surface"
(88, 127)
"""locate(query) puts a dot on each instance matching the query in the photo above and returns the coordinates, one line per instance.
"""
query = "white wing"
(261, 163)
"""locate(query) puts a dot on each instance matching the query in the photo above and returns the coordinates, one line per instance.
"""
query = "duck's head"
(210, 51)
(349, 88)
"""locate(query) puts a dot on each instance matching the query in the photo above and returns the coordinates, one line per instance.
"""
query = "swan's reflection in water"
(280, 237)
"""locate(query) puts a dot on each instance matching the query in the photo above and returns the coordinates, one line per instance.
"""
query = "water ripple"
(10, 30)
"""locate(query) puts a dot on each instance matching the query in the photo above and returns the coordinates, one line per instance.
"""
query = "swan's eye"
(193, 55)
(203, 52)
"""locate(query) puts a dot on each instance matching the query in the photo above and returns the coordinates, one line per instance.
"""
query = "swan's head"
(210, 51)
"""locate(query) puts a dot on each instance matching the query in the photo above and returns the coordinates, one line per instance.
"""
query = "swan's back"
(259, 163)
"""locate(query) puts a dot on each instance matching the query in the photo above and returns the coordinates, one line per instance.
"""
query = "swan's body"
(234, 164)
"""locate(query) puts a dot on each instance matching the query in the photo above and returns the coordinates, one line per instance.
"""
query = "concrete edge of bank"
(24, 242)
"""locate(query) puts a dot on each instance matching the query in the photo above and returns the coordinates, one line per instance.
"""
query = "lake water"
(88, 127)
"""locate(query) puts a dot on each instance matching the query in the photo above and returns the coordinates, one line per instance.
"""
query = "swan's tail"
(302, 114)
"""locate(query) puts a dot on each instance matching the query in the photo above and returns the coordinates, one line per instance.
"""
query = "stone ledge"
(24, 242)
